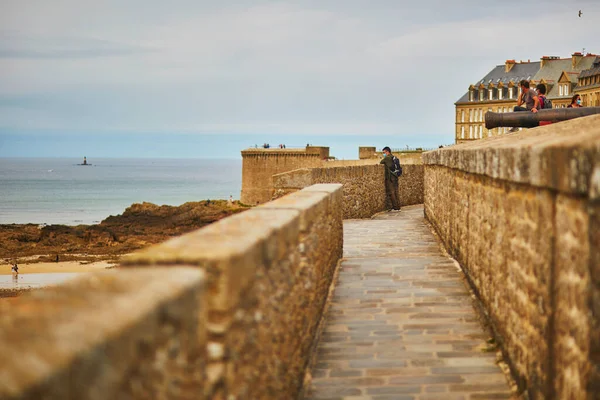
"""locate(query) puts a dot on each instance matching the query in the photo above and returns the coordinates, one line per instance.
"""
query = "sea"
(60, 191)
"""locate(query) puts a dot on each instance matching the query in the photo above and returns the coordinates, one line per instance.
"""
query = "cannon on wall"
(527, 119)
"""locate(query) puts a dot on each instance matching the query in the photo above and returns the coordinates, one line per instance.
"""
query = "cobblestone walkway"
(401, 325)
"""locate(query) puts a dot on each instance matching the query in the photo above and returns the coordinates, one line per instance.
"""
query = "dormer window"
(510, 93)
(560, 90)
(491, 94)
(481, 95)
(566, 89)
(471, 95)
(500, 94)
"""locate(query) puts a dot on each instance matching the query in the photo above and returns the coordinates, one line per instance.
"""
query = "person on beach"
(15, 269)
(391, 180)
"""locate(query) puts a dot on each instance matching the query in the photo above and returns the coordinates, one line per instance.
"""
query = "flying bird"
(580, 13)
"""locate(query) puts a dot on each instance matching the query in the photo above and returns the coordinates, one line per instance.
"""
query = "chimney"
(544, 60)
(508, 65)
(575, 57)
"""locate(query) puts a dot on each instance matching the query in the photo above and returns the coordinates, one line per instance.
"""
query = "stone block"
(132, 334)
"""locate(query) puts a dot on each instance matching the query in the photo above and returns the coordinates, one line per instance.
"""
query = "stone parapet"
(269, 270)
(363, 186)
(135, 334)
(521, 214)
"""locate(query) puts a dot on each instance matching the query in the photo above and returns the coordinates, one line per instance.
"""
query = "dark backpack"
(396, 169)
(544, 102)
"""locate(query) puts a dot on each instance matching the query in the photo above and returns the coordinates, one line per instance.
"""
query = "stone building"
(560, 76)
(588, 84)
(499, 90)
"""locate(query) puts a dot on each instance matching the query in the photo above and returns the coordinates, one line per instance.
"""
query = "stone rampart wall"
(229, 311)
(363, 186)
(521, 214)
(268, 271)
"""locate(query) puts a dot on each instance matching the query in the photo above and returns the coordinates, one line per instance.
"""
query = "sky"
(203, 78)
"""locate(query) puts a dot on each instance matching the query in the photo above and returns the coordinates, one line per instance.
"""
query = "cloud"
(15, 45)
(251, 66)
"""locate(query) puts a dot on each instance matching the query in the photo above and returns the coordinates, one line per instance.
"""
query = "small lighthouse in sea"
(84, 162)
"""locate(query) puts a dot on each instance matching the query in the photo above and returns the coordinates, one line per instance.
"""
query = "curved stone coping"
(564, 156)
(86, 338)
(235, 245)
(269, 270)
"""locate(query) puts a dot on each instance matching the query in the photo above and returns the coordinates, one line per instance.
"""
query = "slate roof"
(593, 70)
(518, 71)
(553, 68)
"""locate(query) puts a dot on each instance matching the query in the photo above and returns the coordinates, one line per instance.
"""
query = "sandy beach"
(56, 267)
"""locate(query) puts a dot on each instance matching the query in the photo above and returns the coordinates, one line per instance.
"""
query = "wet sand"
(37, 275)
(56, 267)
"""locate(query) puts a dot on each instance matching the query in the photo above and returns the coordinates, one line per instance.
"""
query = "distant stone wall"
(229, 311)
(349, 163)
(405, 157)
(363, 186)
(521, 214)
(259, 165)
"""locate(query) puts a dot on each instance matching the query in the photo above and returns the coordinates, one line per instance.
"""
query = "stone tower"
(259, 165)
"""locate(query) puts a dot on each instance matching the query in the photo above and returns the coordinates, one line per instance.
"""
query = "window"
(462, 132)
(510, 93)
(481, 94)
(567, 89)
(560, 90)
(500, 93)
(491, 94)
(480, 131)
(470, 115)
(462, 115)
(481, 114)
(471, 95)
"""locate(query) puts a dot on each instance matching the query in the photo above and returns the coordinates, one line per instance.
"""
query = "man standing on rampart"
(391, 180)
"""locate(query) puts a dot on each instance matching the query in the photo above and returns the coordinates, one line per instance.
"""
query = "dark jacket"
(389, 166)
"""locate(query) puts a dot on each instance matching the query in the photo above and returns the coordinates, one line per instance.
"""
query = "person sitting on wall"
(391, 180)
(575, 102)
(541, 90)
(528, 97)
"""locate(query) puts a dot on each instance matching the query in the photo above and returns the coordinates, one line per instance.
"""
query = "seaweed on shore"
(140, 225)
